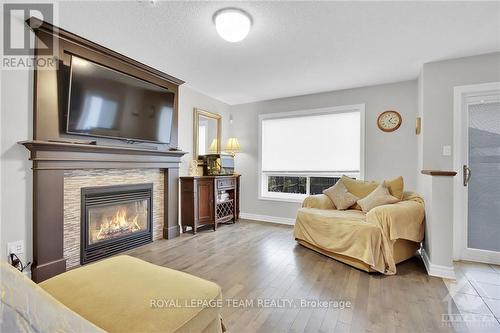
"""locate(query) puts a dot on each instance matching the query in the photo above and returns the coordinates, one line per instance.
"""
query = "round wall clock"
(389, 121)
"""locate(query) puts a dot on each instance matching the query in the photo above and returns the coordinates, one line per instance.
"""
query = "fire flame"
(119, 223)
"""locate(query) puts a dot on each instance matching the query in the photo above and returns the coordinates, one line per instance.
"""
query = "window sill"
(282, 199)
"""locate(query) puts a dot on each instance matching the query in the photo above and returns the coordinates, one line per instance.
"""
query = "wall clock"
(389, 121)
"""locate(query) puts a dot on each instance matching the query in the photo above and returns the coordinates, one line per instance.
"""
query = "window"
(305, 152)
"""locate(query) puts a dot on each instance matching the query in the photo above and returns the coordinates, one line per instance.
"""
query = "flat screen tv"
(107, 103)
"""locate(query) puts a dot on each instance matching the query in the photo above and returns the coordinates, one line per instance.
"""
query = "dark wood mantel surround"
(52, 152)
(48, 155)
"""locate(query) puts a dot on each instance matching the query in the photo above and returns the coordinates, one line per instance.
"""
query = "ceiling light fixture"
(232, 24)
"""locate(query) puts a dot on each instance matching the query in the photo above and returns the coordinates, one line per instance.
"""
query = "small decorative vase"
(193, 168)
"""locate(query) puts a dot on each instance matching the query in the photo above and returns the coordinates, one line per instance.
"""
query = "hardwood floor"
(257, 260)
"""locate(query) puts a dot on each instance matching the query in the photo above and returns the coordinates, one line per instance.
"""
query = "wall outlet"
(16, 247)
(446, 150)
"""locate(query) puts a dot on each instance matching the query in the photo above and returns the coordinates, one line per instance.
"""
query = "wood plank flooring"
(258, 260)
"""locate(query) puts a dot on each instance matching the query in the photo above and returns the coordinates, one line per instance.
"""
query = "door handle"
(467, 173)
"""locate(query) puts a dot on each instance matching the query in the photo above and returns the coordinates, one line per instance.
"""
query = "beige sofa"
(120, 294)
(374, 242)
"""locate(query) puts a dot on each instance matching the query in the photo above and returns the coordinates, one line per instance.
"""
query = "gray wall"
(436, 83)
(439, 79)
(16, 179)
(387, 154)
(190, 99)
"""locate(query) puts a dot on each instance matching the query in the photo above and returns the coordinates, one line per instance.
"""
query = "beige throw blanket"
(367, 237)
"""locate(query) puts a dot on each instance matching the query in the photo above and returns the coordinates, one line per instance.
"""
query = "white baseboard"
(267, 218)
(445, 272)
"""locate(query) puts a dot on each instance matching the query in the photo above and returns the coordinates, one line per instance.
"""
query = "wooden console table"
(209, 200)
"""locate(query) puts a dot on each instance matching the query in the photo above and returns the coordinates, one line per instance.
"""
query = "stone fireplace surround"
(75, 180)
(60, 170)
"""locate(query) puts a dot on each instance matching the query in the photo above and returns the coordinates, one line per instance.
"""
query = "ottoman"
(126, 294)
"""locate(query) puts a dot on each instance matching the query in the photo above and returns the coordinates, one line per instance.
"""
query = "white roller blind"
(321, 142)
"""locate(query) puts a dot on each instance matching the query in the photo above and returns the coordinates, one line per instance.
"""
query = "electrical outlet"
(16, 247)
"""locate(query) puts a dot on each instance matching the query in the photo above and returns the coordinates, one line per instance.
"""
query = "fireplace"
(115, 219)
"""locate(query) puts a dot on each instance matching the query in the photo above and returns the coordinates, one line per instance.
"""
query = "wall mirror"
(206, 133)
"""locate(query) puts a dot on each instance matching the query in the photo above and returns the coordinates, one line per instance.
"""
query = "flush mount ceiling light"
(232, 24)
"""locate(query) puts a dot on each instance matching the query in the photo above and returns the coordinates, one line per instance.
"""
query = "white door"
(478, 180)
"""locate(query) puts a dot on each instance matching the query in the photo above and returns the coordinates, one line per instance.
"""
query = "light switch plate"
(446, 150)
(16, 247)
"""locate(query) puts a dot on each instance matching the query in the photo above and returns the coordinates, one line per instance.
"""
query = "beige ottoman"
(126, 294)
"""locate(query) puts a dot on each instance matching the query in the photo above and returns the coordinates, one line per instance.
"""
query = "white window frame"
(295, 197)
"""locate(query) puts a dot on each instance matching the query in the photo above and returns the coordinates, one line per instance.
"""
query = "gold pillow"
(396, 187)
(380, 196)
(362, 188)
(341, 198)
(359, 188)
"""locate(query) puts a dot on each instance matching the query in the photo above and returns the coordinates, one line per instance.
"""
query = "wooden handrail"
(439, 173)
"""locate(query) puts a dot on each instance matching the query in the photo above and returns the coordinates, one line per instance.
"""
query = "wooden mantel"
(51, 159)
(47, 155)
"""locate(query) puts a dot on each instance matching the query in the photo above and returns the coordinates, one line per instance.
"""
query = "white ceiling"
(294, 48)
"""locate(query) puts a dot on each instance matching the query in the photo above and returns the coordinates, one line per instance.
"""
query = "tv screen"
(107, 103)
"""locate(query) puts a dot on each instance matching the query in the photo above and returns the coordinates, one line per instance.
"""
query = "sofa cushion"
(345, 232)
(340, 196)
(380, 196)
(126, 294)
(320, 201)
(332, 215)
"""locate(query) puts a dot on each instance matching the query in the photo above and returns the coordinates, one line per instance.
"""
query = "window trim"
(293, 197)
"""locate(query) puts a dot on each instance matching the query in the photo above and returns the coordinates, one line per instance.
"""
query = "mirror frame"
(196, 121)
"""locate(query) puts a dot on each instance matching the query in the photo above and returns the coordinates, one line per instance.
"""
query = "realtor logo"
(17, 47)
(455, 318)
(16, 34)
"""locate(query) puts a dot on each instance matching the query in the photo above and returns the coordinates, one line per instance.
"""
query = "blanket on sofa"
(367, 237)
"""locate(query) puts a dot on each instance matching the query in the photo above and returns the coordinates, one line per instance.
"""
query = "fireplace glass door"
(117, 220)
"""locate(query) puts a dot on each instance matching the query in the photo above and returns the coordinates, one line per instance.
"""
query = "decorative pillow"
(396, 187)
(380, 196)
(341, 198)
(359, 188)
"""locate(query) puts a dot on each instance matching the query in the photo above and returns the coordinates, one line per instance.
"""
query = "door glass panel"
(106, 222)
(483, 223)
